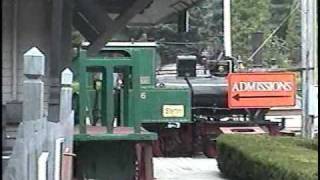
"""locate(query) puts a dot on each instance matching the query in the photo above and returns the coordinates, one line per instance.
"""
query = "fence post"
(33, 94)
(33, 87)
(67, 122)
(66, 94)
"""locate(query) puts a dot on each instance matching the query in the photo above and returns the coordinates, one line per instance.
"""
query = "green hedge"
(259, 157)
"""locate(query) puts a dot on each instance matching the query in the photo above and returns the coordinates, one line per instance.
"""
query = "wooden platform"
(99, 133)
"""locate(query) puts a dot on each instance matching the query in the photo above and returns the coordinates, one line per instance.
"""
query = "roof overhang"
(161, 11)
(99, 20)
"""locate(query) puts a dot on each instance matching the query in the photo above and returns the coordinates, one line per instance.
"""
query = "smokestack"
(256, 41)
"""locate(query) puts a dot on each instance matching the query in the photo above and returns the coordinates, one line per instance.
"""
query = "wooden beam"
(94, 13)
(118, 25)
(81, 24)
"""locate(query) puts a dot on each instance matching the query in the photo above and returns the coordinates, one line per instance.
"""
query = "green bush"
(259, 157)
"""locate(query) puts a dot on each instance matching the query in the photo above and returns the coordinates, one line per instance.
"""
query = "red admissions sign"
(261, 90)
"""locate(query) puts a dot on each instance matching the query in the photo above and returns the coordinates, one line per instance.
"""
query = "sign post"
(261, 90)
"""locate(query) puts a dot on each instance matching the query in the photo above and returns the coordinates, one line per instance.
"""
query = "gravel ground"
(186, 169)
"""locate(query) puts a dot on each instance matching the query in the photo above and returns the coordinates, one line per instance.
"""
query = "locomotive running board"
(242, 130)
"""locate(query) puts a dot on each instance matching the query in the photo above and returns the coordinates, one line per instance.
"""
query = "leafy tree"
(293, 35)
(205, 24)
(208, 18)
(279, 10)
(76, 38)
(247, 17)
(284, 47)
(206, 30)
(276, 49)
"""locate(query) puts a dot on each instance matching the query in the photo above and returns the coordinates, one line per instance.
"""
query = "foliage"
(166, 33)
(293, 37)
(265, 17)
(279, 10)
(76, 38)
(251, 157)
(248, 17)
(276, 49)
(205, 32)
(207, 17)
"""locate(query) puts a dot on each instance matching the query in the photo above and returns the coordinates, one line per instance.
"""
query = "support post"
(110, 102)
(82, 100)
(66, 94)
(227, 28)
(137, 96)
(67, 122)
(308, 38)
(33, 93)
(315, 41)
(303, 61)
(33, 87)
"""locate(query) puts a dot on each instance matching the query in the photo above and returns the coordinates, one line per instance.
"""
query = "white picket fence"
(41, 145)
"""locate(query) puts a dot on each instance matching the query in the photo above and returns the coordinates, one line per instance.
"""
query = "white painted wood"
(66, 77)
(33, 87)
(227, 27)
(58, 157)
(43, 166)
(65, 103)
(34, 62)
(33, 100)
(313, 99)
